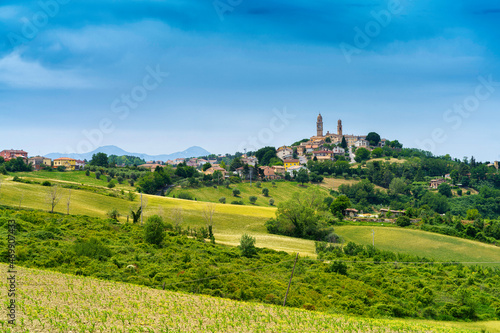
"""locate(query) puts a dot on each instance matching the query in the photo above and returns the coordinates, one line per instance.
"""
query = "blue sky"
(160, 76)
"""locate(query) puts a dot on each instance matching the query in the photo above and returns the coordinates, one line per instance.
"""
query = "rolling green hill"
(231, 221)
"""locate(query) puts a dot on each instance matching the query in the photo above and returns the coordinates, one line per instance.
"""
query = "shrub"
(247, 246)
(92, 248)
(119, 179)
(87, 172)
(236, 192)
(61, 168)
(113, 214)
(237, 202)
(131, 182)
(108, 178)
(131, 196)
(271, 202)
(222, 200)
(403, 221)
(265, 191)
(97, 175)
(253, 199)
(46, 183)
(154, 230)
(258, 184)
(337, 267)
(185, 196)
(112, 184)
(459, 192)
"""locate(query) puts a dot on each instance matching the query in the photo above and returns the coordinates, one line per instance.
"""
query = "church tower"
(319, 126)
(339, 127)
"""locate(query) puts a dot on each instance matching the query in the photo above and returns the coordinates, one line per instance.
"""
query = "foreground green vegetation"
(185, 261)
(55, 302)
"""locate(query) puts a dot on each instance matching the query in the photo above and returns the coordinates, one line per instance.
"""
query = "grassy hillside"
(231, 221)
(422, 243)
(75, 177)
(280, 192)
(55, 302)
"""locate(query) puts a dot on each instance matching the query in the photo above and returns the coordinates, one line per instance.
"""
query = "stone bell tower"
(319, 126)
(339, 127)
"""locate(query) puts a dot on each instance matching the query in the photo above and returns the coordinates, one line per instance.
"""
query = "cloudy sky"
(161, 76)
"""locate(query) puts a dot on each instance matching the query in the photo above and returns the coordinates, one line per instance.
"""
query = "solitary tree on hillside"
(302, 176)
(53, 197)
(154, 230)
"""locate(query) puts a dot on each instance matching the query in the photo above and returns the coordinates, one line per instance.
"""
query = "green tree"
(222, 200)
(403, 221)
(362, 154)
(473, 214)
(397, 186)
(236, 192)
(247, 246)
(304, 215)
(445, 189)
(154, 230)
(377, 152)
(343, 143)
(99, 159)
(136, 215)
(465, 181)
(302, 176)
(206, 166)
(265, 191)
(373, 138)
(252, 199)
(455, 176)
(235, 164)
(264, 155)
(339, 205)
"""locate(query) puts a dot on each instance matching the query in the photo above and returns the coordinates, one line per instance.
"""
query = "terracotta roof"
(64, 159)
(291, 161)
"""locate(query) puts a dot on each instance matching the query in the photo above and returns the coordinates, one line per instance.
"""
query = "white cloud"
(20, 73)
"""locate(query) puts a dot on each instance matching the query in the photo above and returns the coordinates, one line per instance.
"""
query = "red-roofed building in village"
(13, 153)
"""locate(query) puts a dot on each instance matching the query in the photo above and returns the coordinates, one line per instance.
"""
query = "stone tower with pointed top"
(339, 128)
(319, 126)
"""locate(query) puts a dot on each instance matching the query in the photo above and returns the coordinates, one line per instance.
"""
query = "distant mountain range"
(194, 151)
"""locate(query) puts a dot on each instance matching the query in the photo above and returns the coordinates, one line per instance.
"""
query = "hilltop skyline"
(424, 73)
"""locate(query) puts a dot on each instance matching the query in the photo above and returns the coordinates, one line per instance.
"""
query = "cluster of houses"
(38, 162)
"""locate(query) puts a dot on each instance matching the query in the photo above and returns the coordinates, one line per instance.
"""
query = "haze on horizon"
(157, 77)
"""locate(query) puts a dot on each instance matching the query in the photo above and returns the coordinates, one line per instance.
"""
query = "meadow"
(279, 192)
(422, 243)
(55, 302)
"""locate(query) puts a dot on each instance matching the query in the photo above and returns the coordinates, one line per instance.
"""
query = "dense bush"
(154, 230)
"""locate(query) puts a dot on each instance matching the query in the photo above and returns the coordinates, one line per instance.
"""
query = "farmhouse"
(290, 163)
(68, 163)
(436, 182)
(38, 161)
